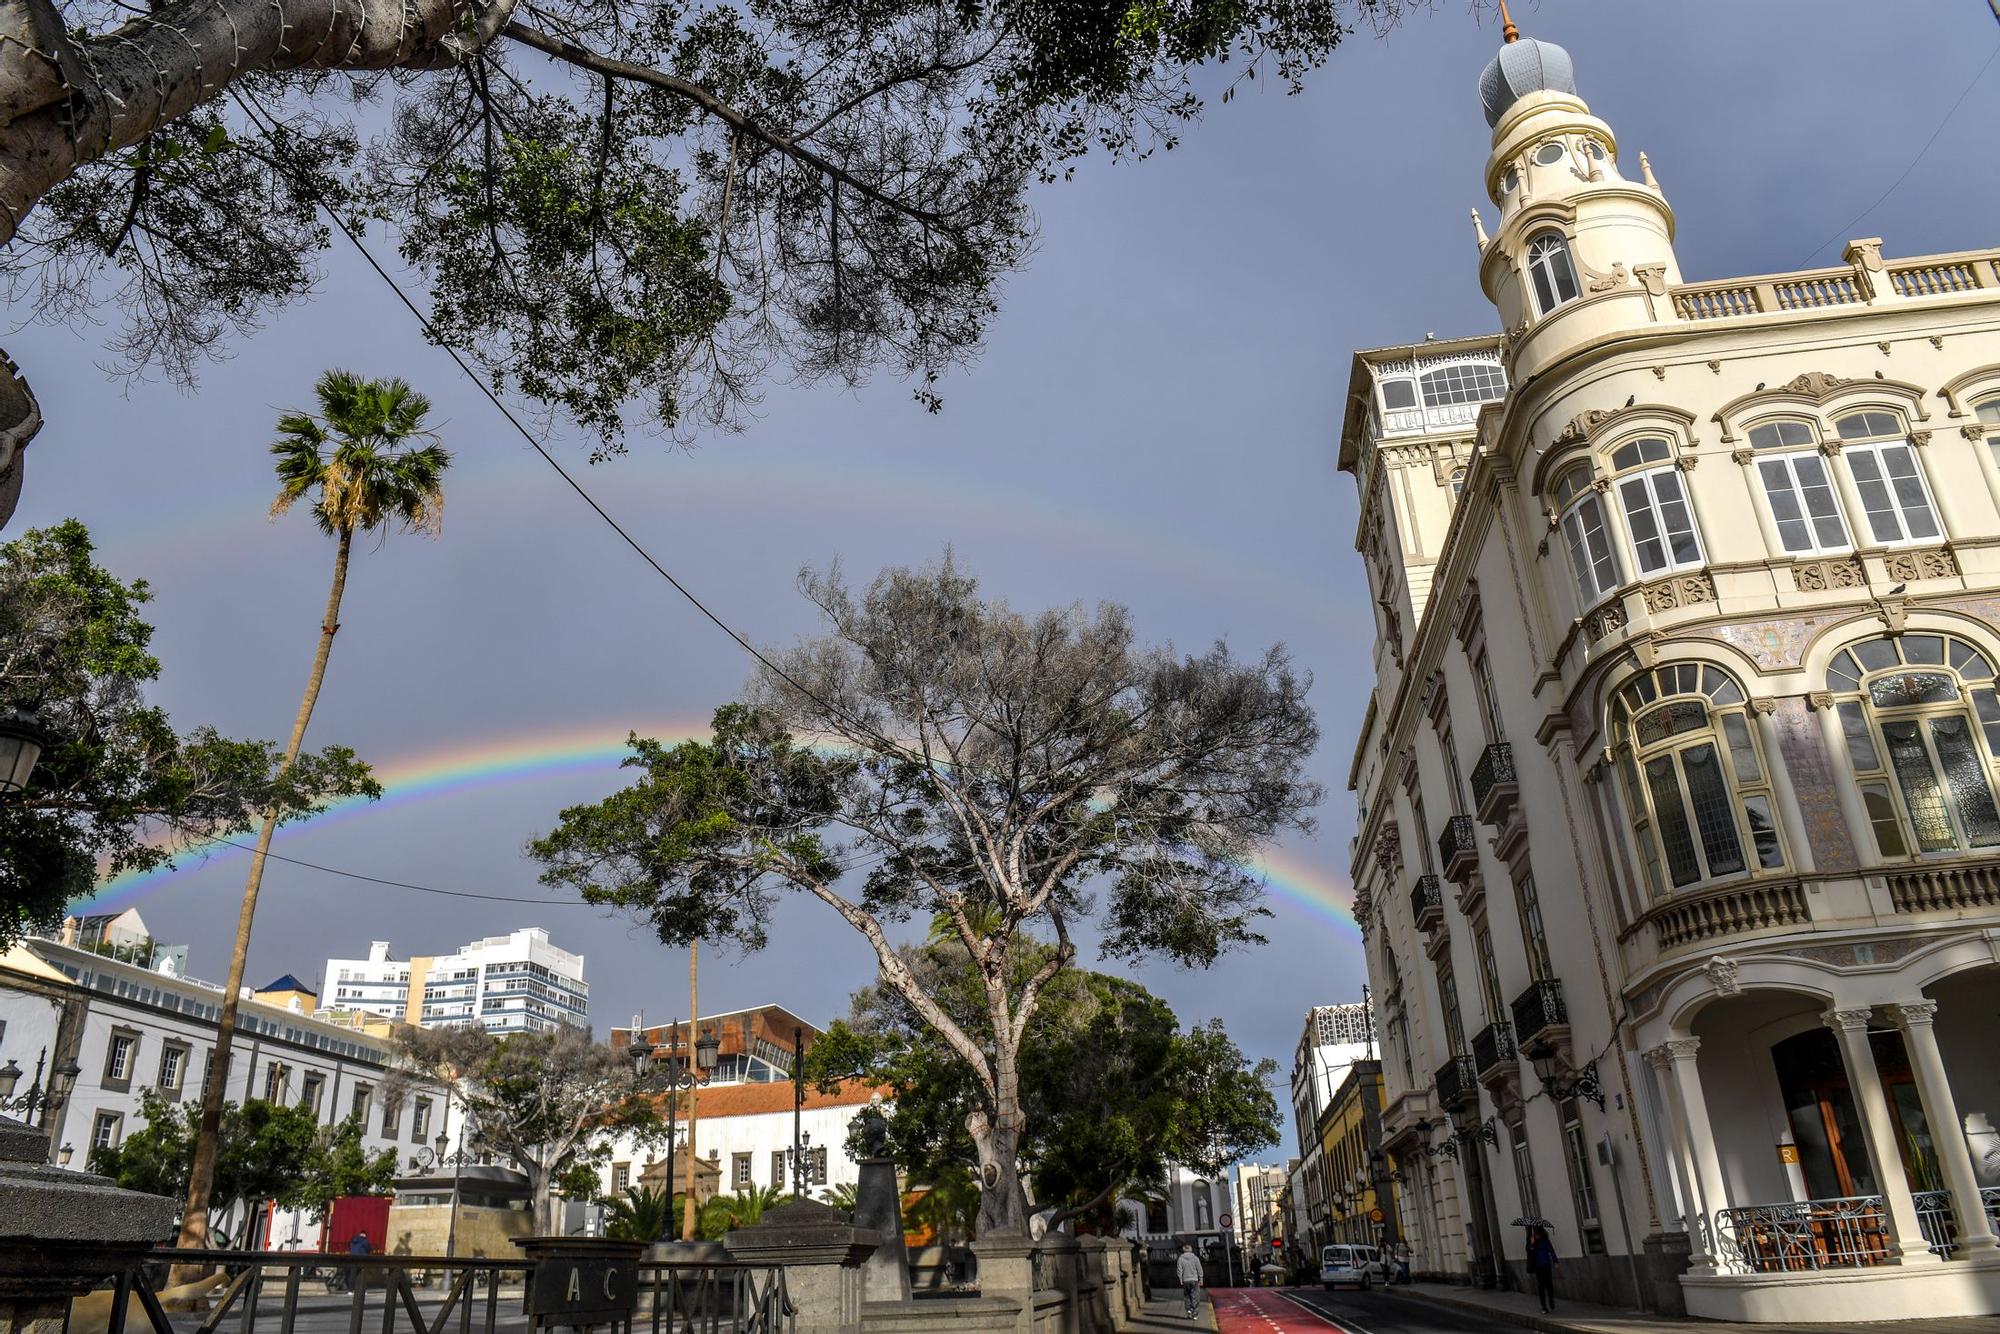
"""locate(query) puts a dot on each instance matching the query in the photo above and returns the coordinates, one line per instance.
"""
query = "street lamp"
(22, 740)
(36, 1104)
(437, 1156)
(661, 1066)
(1563, 1085)
(63, 1155)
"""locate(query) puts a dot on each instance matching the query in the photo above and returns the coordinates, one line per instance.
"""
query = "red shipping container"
(357, 1213)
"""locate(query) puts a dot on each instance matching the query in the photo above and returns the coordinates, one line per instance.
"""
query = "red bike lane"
(1266, 1311)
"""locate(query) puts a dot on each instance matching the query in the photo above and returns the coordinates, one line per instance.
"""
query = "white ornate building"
(1677, 841)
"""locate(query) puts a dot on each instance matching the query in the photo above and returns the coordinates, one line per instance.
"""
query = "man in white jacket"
(1188, 1270)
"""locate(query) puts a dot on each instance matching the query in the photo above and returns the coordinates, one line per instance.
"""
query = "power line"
(1848, 230)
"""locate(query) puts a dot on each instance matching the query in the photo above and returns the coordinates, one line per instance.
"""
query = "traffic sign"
(1226, 1220)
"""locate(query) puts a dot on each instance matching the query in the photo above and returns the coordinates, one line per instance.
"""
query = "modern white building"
(508, 984)
(1678, 853)
(131, 1030)
(1334, 1038)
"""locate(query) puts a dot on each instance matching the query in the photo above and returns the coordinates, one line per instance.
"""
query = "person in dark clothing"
(1542, 1263)
(359, 1245)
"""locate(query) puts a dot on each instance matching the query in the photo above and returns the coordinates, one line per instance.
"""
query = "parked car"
(1349, 1266)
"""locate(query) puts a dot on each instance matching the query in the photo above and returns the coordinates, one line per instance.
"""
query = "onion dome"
(1524, 66)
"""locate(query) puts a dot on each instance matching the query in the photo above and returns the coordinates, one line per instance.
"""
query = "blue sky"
(1154, 421)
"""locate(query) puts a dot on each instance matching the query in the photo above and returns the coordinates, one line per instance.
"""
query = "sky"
(1153, 421)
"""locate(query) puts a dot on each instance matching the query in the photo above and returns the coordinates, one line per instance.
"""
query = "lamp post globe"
(63, 1078)
(22, 740)
(10, 1078)
(706, 1048)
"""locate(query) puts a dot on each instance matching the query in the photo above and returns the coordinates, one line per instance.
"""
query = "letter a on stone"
(575, 1285)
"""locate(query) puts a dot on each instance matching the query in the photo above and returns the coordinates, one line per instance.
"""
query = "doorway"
(1819, 1104)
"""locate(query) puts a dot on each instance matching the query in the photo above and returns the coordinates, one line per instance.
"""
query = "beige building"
(1677, 823)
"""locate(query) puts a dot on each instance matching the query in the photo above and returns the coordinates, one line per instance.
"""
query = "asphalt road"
(1316, 1311)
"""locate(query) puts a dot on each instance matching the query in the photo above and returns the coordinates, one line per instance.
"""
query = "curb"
(1507, 1315)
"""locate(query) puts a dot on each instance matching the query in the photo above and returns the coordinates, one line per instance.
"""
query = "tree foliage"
(119, 789)
(1006, 773)
(1116, 1093)
(618, 207)
(267, 1151)
(545, 1101)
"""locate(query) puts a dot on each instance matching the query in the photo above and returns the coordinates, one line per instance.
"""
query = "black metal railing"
(1457, 1081)
(1493, 783)
(1539, 1009)
(303, 1292)
(1458, 848)
(1427, 902)
(1493, 1048)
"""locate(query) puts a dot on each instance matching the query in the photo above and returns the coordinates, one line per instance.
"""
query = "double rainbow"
(449, 771)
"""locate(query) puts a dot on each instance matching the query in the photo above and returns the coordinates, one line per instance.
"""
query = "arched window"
(1922, 724)
(1657, 514)
(1698, 791)
(1463, 382)
(1989, 412)
(1798, 488)
(1582, 521)
(1886, 474)
(1550, 271)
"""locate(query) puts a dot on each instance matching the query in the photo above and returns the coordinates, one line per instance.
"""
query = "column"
(1694, 1145)
(1975, 1230)
(1906, 1236)
(1785, 796)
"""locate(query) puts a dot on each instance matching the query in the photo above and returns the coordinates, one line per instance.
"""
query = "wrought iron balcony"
(1458, 849)
(1494, 786)
(1456, 1082)
(1427, 903)
(1538, 1010)
(1493, 1050)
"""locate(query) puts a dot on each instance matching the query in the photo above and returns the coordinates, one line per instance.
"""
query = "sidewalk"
(1163, 1316)
(1520, 1308)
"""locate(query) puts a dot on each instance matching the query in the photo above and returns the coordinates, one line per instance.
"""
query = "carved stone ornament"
(1849, 1020)
(1659, 372)
(1682, 1049)
(1973, 430)
(1764, 704)
(1684, 590)
(1907, 566)
(1580, 426)
(1867, 253)
(1654, 276)
(1937, 341)
(1605, 282)
(1715, 367)
(1686, 462)
(1817, 576)
(1831, 447)
(1743, 456)
(1725, 975)
(1920, 438)
(1914, 1014)
(1388, 849)
(1600, 484)
(1607, 619)
(1820, 699)
(1884, 347)
(1895, 613)
(1816, 383)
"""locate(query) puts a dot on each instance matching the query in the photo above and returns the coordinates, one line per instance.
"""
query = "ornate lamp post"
(39, 1101)
(1563, 1085)
(430, 1159)
(22, 740)
(661, 1066)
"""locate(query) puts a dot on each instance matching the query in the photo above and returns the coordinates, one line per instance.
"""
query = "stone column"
(1676, 1056)
(63, 1233)
(821, 1253)
(1785, 796)
(1906, 1236)
(1975, 1229)
(1007, 1269)
(878, 1206)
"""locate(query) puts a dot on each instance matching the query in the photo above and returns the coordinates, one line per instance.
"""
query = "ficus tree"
(118, 788)
(621, 208)
(938, 754)
(546, 1101)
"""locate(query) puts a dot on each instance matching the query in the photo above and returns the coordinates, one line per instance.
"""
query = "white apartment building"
(131, 1031)
(1334, 1038)
(508, 984)
(1677, 832)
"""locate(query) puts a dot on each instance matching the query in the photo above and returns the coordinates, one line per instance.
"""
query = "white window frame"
(1583, 563)
(1877, 448)
(1648, 481)
(105, 1130)
(1787, 456)
(1544, 249)
(173, 1066)
(1988, 413)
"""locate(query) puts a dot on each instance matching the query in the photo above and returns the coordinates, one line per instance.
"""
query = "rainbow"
(529, 757)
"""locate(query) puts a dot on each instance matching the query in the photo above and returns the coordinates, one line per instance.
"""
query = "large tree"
(620, 207)
(548, 1102)
(366, 462)
(1116, 1093)
(118, 788)
(937, 753)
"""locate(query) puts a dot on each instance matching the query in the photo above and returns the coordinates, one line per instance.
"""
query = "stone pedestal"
(63, 1233)
(878, 1207)
(822, 1254)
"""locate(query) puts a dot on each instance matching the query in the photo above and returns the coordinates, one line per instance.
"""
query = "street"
(1314, 1311)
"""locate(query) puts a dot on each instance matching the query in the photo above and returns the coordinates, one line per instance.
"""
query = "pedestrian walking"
(1542, 1261)
(1188, 1270)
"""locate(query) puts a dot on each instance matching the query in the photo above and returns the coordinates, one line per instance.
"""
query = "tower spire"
(1510, 33)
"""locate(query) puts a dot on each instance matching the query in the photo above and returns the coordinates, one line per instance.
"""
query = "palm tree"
(742, 1209)
(644, 1214)
(366, 459)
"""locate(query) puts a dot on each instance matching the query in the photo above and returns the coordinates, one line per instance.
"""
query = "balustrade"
(1427, 903)
(1458, 849)
(1457, 1081)
(1538, 1010)
(1804, 1235)
(1493, 1049)
(1945, 889)
(1494, 785)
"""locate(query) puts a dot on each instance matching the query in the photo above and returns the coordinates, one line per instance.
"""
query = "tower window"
(1550, 271)
(1549, 153)
(1511, 180)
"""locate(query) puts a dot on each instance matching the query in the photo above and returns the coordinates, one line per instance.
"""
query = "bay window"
(1799, 489)
(1584, 535)
(1885, 471)
(1921, 720)
(1660, 522)
(1697, 788)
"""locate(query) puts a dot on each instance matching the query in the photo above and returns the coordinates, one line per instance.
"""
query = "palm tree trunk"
(194, 1218)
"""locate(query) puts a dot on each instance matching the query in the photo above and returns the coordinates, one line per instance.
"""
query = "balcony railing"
(1493, 1050)
(1946, 889)
(1427, 903)
(1804, 1235)
(1731, 910)
(1539, 1009)
(1494, 786)
(1913, 279)
(1940, 1224)
(1456, 1082)
(1458, 849)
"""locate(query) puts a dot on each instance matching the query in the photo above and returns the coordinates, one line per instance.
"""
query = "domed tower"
(1578, 246)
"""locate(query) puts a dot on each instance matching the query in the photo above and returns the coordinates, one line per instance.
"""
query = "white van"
(1350, 1266)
